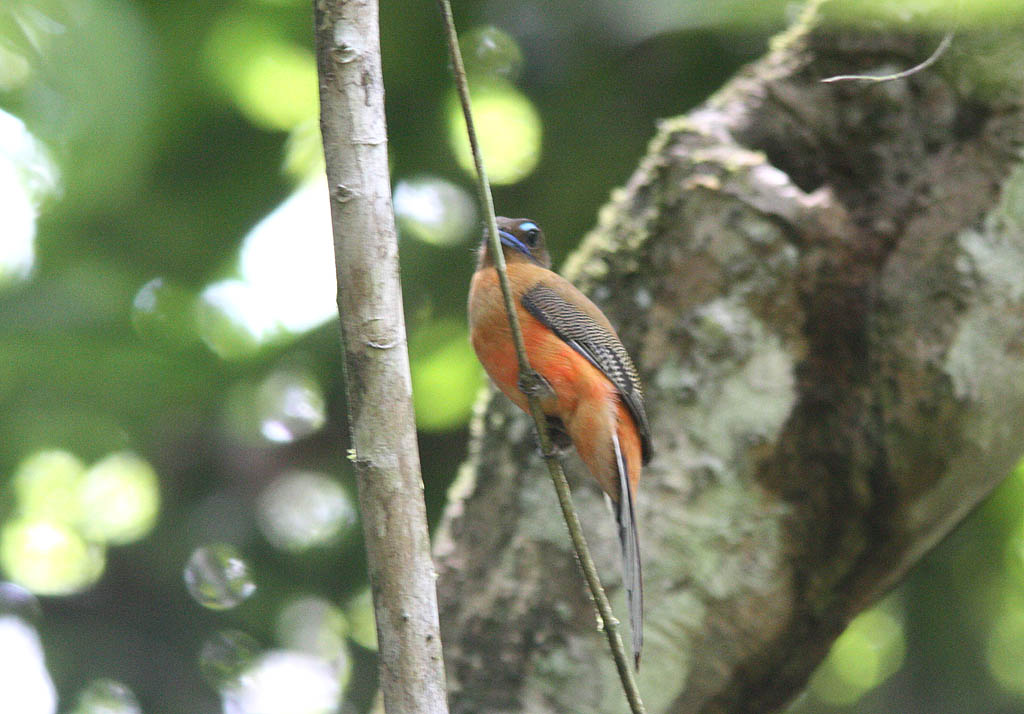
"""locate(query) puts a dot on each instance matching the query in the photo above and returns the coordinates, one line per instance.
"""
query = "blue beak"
(512, 242)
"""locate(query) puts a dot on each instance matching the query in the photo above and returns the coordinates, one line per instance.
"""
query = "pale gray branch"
(376, 361)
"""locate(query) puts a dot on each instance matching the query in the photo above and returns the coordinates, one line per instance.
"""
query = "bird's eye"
(530, 231)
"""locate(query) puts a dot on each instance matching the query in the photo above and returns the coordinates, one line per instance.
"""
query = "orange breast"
(584, 398)
(570, 375)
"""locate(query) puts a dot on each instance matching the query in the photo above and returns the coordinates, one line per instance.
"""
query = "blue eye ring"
(528, 226)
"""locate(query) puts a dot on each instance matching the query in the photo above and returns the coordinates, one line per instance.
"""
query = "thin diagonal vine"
(530, 380)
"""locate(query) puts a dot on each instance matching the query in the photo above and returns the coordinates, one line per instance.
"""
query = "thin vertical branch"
(529, 378)
(376, 361)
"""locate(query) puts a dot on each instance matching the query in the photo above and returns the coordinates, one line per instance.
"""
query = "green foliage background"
(164, 132)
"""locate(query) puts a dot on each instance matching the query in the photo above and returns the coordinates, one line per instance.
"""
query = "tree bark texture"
(823, 286)
(377, 380)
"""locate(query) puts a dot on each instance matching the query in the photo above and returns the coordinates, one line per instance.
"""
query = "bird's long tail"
(632, 573)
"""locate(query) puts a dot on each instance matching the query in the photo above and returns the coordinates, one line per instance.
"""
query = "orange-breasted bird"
(592, 394)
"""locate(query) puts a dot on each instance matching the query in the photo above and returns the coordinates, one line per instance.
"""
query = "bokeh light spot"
(508, 127)
(856, 661)
(490, 53)
(225, 656)
(1004, 650)
(433, 210)
(287, 283)
(217, 577)
(18, 602)
(106, 696)
(164, 314)
(48, 557)
(865, 655)
(14, 69)
(299, 510)
(25, 684)
(278, 88)
(271, 81)
(47, 486)
(120, 499)
(445, 376)
(362, 621)
(304, 151)
(1014, 547)
(234, 319)
(285, 682)
(312, 624)
(290, 406)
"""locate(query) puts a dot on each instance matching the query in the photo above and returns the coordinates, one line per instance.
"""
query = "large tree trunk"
(823, 286)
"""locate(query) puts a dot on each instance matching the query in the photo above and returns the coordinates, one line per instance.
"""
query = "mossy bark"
(823, 287)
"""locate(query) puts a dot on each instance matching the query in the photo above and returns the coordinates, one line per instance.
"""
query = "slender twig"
(377, 381)
(529, 379)
(932, 59)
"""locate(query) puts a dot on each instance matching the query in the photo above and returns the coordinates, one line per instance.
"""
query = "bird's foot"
(533, 384)
(558, 438)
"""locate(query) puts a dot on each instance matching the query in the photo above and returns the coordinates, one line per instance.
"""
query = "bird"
(591, 394)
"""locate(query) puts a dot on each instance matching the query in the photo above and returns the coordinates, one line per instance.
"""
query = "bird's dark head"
(521, 240)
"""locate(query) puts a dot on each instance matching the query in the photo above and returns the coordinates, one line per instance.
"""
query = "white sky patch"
(25, 684)
(27, 176)
(235, 317)
(285, 682)
(288, 260)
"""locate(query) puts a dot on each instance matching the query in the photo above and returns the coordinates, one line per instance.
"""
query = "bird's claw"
(559, 440)
(533, 384)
